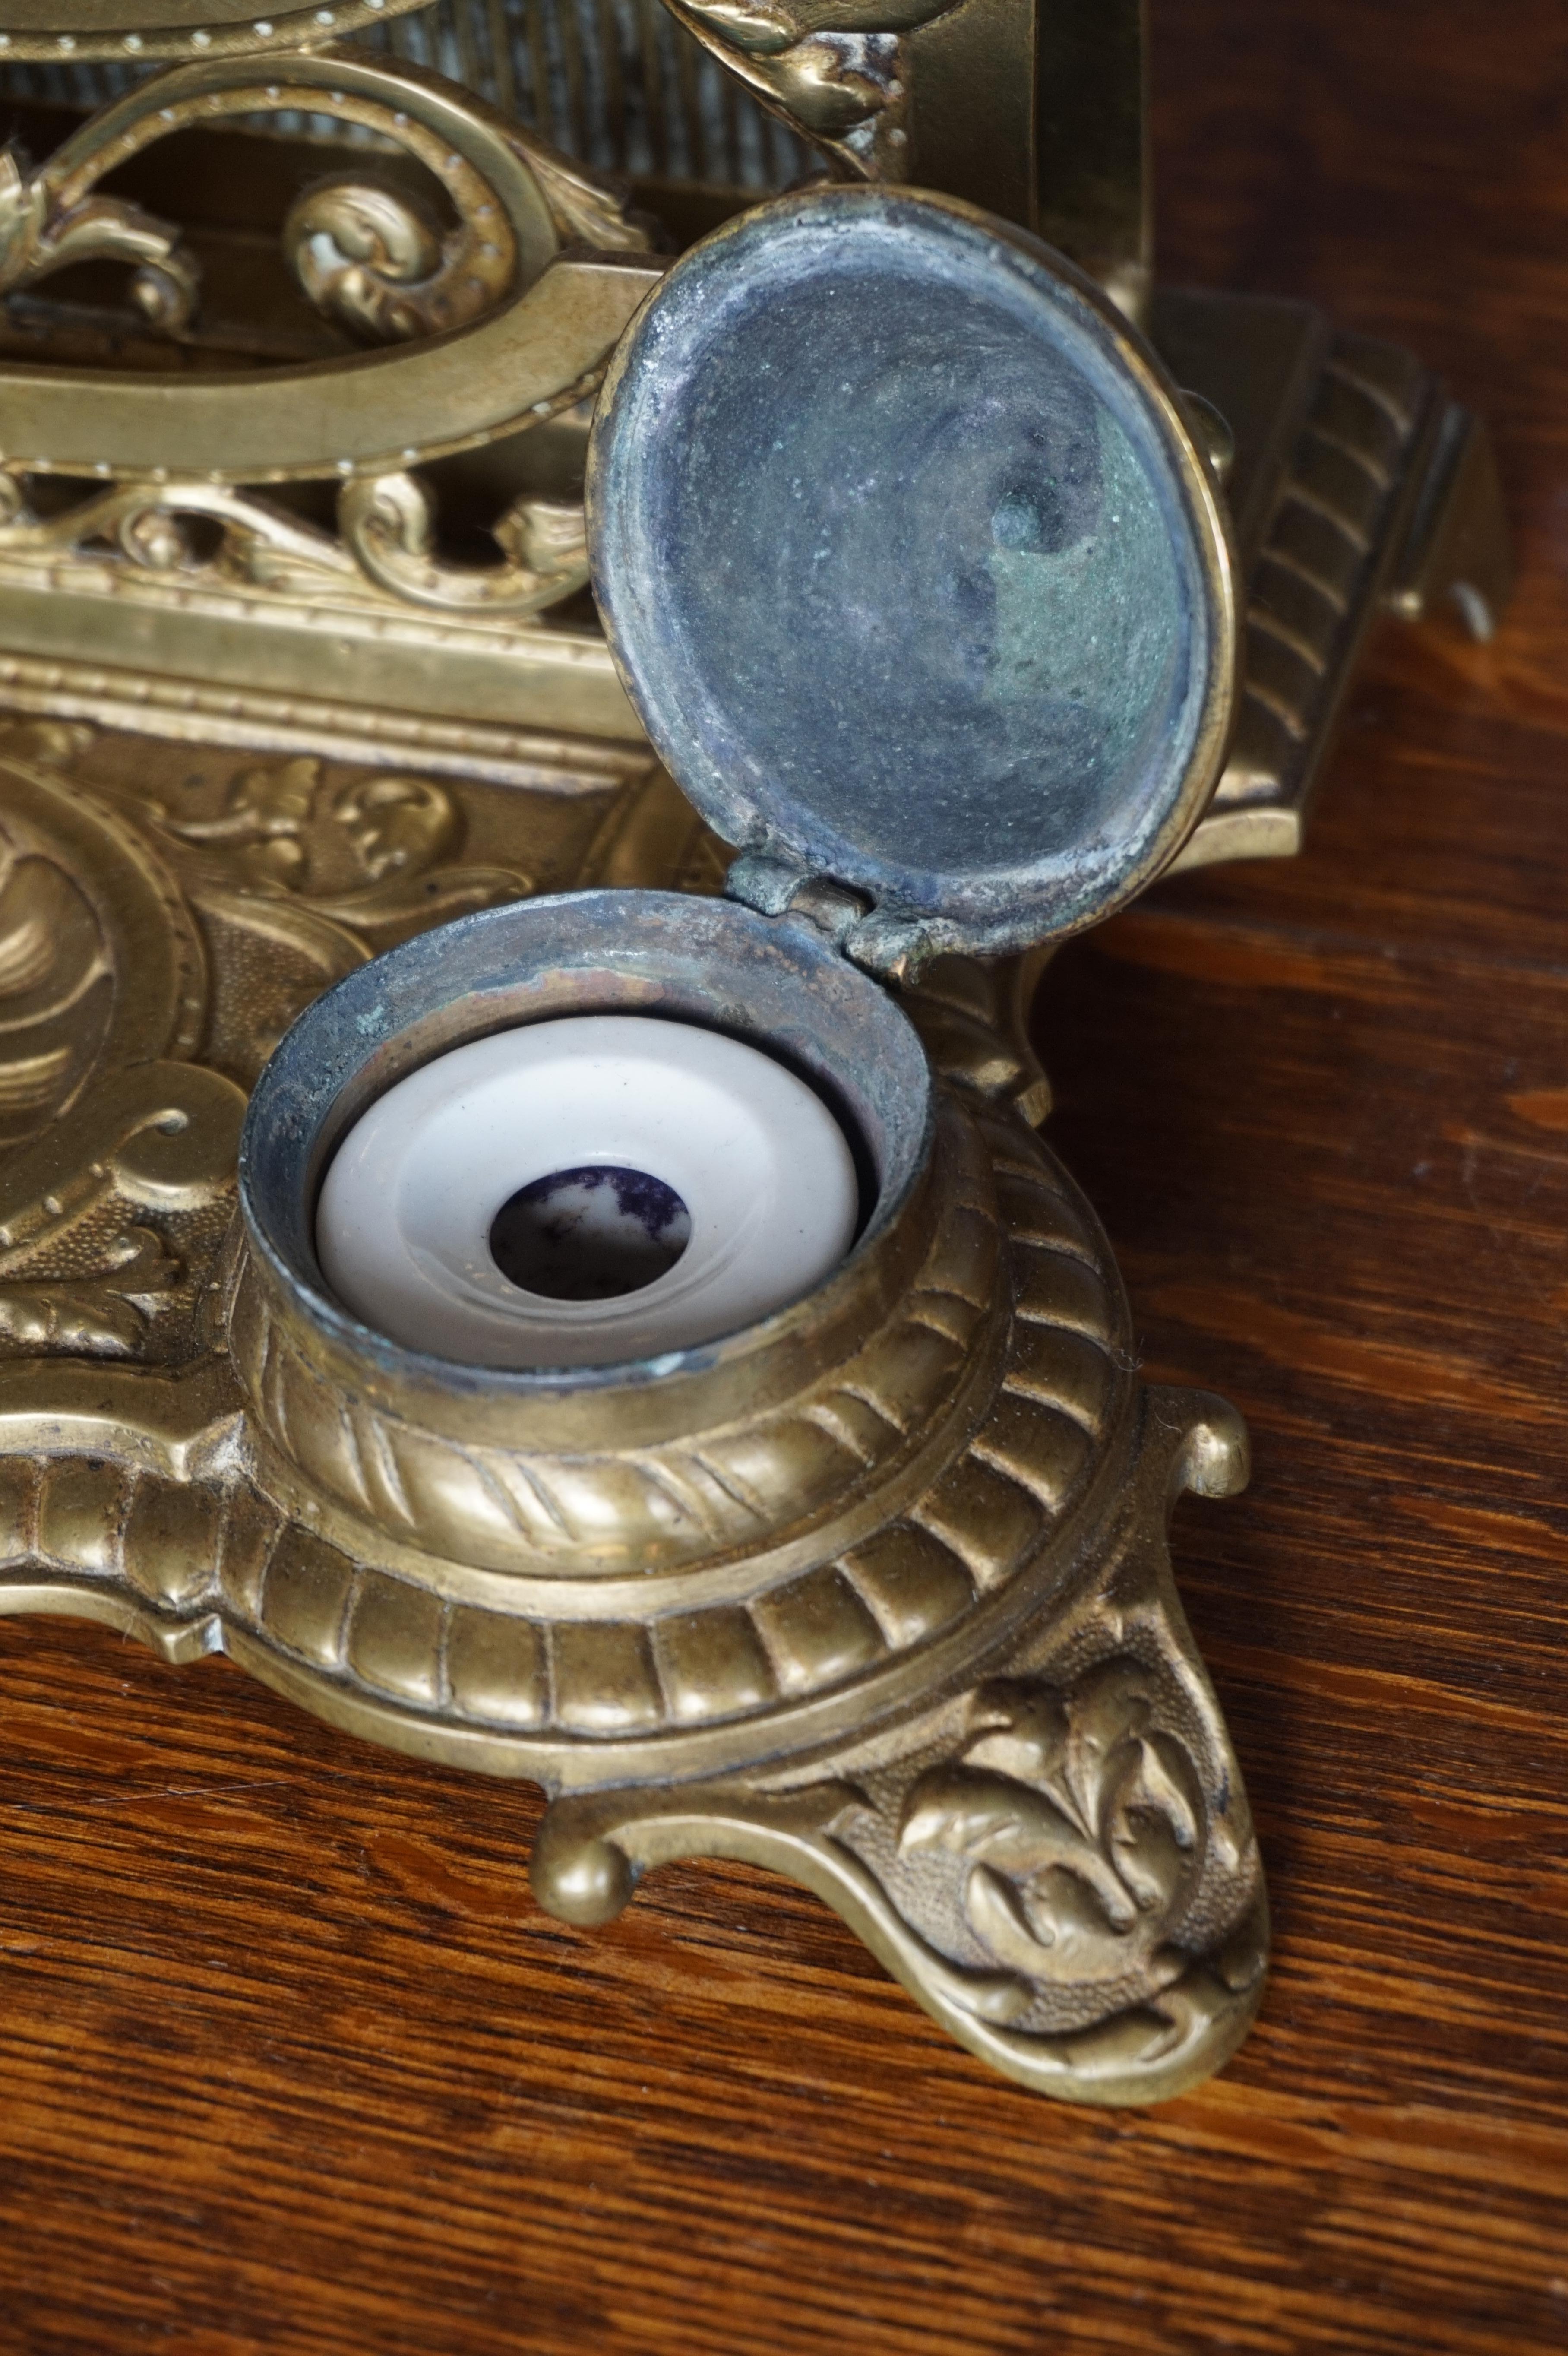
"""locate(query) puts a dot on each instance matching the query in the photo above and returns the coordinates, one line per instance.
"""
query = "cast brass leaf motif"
(834, 69)
(54, 992)
(107, 1317)
(140, 532)
(1078, 1822)
(279, 826)
(267, 813)
(44, 227)
(145, 528)
(373, 258)
(389, 525)
(296, 882)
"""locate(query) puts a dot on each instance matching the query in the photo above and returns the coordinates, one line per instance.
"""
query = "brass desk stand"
(877, 1592)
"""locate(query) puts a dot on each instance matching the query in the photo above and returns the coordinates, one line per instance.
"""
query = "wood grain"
(291, 2062)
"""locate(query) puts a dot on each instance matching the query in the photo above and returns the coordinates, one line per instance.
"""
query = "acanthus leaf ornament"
(117, 1184)
(834, 69)
(389, 525)
(48, 223)
(104, 1312)
(1071, 1886)
(1073, 1818)
(373, 259)
(386, 543)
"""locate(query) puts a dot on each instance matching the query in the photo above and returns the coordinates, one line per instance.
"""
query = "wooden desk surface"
(292, 2063)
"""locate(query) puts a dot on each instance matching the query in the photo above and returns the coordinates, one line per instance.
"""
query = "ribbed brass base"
(880, 1597)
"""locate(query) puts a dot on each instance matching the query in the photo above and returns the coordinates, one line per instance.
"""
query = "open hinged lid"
(913, 570)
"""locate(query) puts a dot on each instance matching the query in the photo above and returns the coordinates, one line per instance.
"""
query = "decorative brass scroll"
(199, 450)
(47, 224)
(388, 523)
(1037, 114)
(1030, 1867)
(147, 526)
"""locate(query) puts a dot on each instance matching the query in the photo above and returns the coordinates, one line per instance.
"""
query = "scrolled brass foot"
(1057, 1861)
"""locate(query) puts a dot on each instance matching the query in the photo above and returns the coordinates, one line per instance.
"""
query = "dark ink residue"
(589, 1234)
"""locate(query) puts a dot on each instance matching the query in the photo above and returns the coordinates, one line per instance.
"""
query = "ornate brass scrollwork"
(541, 327)
(386, 542)
(389, 525)
(374, 260)
(837, 70)
(1060, 1864)
(49, 221)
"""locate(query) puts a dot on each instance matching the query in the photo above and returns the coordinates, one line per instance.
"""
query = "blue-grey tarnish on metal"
(782, 986)
(912, 570)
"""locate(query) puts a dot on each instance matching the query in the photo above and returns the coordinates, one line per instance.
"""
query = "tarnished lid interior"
(911, 567)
